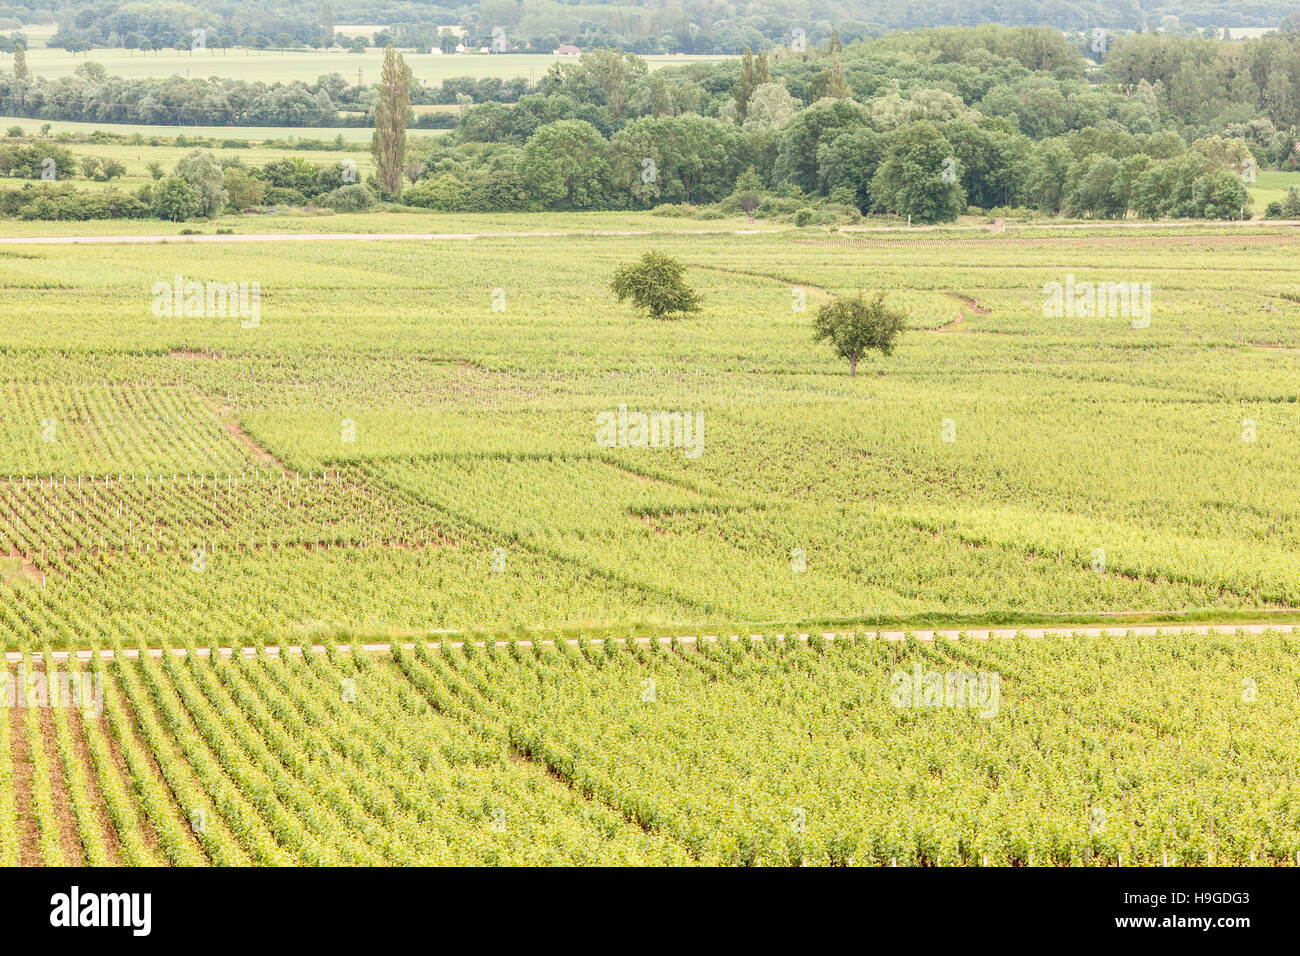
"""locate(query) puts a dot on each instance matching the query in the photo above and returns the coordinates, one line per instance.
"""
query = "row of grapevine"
(9, 839)
(781, 753)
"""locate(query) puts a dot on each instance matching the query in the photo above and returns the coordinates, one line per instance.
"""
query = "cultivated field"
(1083, 750)
(377, 425)
(398, 439)
(282, 66)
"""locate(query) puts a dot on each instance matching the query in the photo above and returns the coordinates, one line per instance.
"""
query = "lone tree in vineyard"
(656, 285)
(389, 143)
(853, 325)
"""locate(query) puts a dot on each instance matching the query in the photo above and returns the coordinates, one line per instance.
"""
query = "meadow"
(351, 134)
(398, 441)
(1271, 186)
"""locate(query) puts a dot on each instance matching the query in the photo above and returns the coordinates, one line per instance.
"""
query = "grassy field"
(281, 66)
(136, 159)
(1271, 186)
(397, 440)
(38, 34)
(350, 134)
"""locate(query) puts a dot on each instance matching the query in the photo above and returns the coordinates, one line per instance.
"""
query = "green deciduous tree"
(822, 122)
(21, 74)
(919, 176)
(849, 161)
(854, 325)
(770, 107)
(656, 284)
(745, 86)
(175, 199)
(202, 172)
(566, 163)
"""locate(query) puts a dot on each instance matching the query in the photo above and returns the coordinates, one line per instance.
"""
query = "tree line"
(928, 125)
(688, 26)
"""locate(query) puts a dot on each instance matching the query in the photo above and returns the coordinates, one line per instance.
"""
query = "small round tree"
(175, 199)
(854, 324)
(655, 284)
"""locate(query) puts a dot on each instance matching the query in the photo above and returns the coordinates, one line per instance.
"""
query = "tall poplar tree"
(745, 86)
(327, 24)
(389, 142)
(21, 73)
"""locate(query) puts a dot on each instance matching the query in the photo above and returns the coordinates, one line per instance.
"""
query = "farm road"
(971, 633)
(453, 236)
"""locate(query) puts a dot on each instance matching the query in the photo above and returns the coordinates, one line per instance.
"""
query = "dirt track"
(845, 232)
(921, 635)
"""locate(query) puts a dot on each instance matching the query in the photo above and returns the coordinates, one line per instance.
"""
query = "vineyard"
(394, 448)
(767, 750)
(401, 448)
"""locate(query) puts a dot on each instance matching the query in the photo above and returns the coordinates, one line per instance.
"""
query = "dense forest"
(671, 26)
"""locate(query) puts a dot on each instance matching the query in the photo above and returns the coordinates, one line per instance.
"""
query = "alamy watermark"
(211, 300)
(71, 689)
(978, 690)
(1128, 300)
(75, 909)
(624, 429)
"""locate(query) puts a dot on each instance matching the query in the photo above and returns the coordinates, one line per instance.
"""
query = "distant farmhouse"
(567, 49)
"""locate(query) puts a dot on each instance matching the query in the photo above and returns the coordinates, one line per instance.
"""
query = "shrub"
(803, 217)
(243, 191)
(679, 210)
(30, 161)
(444, 192)
(69, 204)
(843, 196)
(285, 197)
(351, 198)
